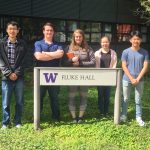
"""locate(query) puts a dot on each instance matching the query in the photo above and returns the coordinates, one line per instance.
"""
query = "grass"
(95, 134)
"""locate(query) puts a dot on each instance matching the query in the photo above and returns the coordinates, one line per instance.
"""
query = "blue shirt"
(134, 60)
(40, 46)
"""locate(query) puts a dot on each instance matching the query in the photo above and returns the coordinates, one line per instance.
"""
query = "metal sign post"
(50, 76)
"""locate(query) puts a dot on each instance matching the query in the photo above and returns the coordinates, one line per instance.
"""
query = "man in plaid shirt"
(12, 54)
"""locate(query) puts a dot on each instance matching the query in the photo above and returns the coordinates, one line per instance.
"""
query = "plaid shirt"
(11, 51)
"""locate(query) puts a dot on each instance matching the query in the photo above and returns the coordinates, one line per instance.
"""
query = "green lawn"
(95, 134)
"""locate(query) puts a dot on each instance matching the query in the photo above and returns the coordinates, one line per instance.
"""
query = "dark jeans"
(53, 92)
(103, 99)
(8, 87)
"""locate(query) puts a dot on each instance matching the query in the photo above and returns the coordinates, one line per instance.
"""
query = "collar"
(9, 42)
(48, 43)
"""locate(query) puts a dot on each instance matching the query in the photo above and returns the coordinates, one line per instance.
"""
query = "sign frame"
(113, 77)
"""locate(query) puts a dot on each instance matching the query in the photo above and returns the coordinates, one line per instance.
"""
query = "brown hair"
(84, 45)
(105, 37)
(13, 23)
(49, 24)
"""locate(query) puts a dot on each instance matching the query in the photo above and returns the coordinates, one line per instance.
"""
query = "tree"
(144, 10)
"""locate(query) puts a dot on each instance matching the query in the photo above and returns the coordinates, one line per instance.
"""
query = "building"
(114, 18)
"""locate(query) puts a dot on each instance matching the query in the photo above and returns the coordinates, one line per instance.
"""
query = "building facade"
(114, 18)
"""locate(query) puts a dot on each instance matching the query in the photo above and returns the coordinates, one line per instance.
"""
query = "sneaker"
(4, 127)
(18, 126)
(80, 120)
(123, 118)
(140, 121)
(75, 120)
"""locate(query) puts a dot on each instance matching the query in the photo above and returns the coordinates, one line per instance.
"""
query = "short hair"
(49, 24)
(13, 23)
(105, 37)
(135, 33)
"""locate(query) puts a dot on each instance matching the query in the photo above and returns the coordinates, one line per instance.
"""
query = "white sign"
(78, 76)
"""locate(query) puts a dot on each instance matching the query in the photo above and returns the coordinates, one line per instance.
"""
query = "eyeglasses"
(12, 29)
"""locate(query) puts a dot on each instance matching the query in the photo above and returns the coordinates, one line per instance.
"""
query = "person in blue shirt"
(48, 54)
(135, 64)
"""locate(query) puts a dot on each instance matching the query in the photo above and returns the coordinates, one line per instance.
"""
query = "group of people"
(50, 54)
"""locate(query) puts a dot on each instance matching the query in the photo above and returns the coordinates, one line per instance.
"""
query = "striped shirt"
(11, 51)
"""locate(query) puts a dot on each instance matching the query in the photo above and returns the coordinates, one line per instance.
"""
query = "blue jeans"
(8, 87)
(126, 96)
(103, 99)
(53, 92)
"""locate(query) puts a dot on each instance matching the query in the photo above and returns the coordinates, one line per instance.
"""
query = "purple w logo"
(50, 77)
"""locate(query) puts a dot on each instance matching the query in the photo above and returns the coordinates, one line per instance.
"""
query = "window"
(123, 32)
(144, 34)
(85, 26)
(107, 30)
(69, 37)
(60, 37)
(144, 38)
(60, 25)
(96, 27)
(107, 27)
(31, 29)
(95, 37)
(87, 37)
(72, 25)
(95, 32)
(143, 29)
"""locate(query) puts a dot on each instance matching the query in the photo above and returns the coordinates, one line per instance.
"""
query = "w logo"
(50, 77)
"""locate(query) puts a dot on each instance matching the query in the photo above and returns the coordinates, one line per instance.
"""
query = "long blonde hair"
(84, 45)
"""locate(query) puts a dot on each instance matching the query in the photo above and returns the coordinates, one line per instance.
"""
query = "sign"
(84, 76)
(50, 76)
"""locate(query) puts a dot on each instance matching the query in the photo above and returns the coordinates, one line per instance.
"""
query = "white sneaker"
(18, 126)
(4, 127)
(140, 122)
(123, 118)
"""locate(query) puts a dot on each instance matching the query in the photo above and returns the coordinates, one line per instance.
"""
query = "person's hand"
(75, 59)
(13, 77)
(134, 81)
(59, 53)
(54, 55)
(137, 81)
(76, 64)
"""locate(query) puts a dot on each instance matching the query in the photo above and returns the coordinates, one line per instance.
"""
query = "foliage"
(96, 133)
(145, 4)
(144, 10)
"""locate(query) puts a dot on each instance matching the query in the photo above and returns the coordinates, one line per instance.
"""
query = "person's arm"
(6, 71)
(38, 53)
(114, 60)
(56, 54)
(4, 66)
(143, 71)
(20, 61)
(42, 56)
(126, 71)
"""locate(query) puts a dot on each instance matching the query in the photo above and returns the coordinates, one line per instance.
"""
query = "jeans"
(103, 99)
(53, 92)
(8, 87)
(126, 96)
